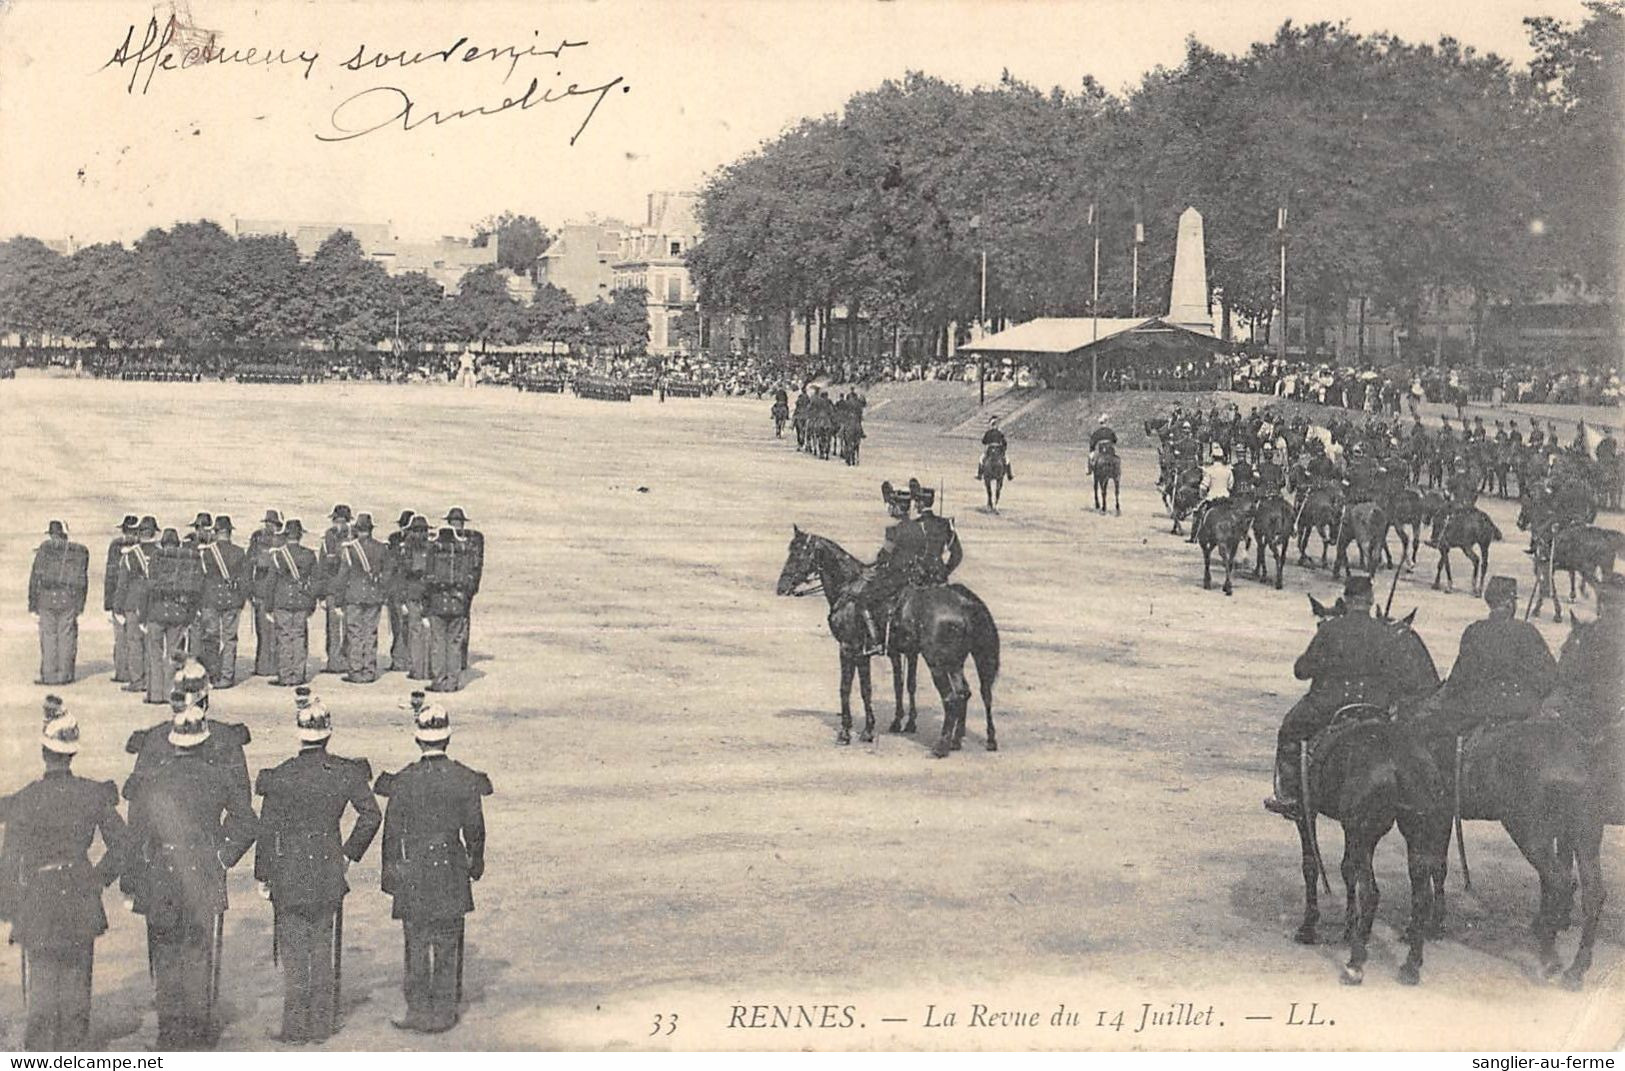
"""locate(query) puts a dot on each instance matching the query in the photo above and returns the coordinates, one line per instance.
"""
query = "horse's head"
(798, 563)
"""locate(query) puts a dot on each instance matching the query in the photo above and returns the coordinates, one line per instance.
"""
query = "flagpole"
(1094, 310)
(1280, 227)
(981, 316)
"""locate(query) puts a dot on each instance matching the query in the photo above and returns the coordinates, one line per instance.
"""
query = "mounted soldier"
(941, 539)
(1216, 485)
(995, 449)
(1502, 672)
(897, 563)
(1270, 477)
(1103, 433)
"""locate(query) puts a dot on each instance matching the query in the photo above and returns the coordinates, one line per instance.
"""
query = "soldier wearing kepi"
(398, 627)
(300, 860)
(57, 586)
(1502, 673)
(434, 849)
(50, 892)
(173, 596)
(328, 564)
(226, 579)
(134, 578)
(940, 537)
(363, 582)
(1591, 666)
(293, 600)
(262, 590)
(1350, 660)
(474, 539)
(110, 577)
(189, 824)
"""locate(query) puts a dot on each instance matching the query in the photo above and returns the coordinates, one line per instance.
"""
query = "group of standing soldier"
(191, 818)
(166, 594)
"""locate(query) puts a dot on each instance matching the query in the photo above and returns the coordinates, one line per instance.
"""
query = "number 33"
(665, 1025)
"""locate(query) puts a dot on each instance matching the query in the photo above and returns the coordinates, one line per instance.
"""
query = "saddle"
(1346, 719)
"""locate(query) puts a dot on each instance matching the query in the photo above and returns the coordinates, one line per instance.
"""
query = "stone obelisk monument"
(1188, 298)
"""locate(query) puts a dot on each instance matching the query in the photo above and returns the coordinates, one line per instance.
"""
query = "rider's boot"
(1287, 800)
(877, 641)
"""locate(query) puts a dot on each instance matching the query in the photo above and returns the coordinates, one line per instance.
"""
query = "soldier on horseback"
(994, 450)
(1103, 433)
(940, 537)
(1502, 673)
(1270, 477)
(1590, 694)
(897, 565)
(1217, 483)
(1360, 476)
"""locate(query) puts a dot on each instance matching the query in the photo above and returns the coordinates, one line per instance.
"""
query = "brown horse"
(1317, 511)
(942, 623)
(1272, 528)
(1364, 524)
(1224, 524)
(1369, 776)
(1107, 467)
(1405, 510)
(1464, 529)
(992, 470)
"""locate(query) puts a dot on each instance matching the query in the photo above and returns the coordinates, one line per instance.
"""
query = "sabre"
(22, 964)
(214, 967)
(1461, 845)
(338, 962)
(460, 929)
(1392, 586)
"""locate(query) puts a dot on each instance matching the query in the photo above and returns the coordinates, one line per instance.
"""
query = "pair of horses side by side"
(1540, 784)
(942, 623)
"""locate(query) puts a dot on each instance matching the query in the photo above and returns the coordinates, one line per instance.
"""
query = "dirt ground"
(675, 832)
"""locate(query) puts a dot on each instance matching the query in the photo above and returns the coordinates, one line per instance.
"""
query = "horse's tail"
(984, 643)
(1495, 533)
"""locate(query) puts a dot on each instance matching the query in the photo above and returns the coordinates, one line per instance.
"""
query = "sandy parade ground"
(675, 833)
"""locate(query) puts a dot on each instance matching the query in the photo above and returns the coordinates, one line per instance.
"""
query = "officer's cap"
(1500, 589)
(61, 732)
(170, 538)
(1357, 587)
(294, 529)
(363, 522)
(189, 729)
(128, 524)
(302, 696)
(432, 725)
(222, 523)
(341, 512)
(148, 526)
(56, 528)
(203, 520)
(313, 722)
(926, 497)
(456, 514)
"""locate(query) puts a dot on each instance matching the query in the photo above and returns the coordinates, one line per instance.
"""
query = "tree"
(113, 301)
(349, 295)
(520, 240)
(484, 311)
(271, 298)
(188, 273)
(548, 317)
(422, 313)
(32, 291)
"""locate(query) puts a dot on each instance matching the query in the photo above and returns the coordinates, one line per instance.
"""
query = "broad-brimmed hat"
(203, 520)
(294, 529)
(420, 523)
(1357, 587)
(341, 512)
(456, 514)
(148, 526)
(432, 725)
(129, 523)
(189, 729)
(447, 534)
(273, 516)
(171, 538)
(362, 522)
(222, 523)
(405, 518)
(61, 731)
(56, 528)
(313, 723)
(1500, 589)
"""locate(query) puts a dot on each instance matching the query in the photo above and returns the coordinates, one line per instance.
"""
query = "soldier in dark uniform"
(1360, 476)
(57, 586)
(1103, 433)
(1270, 477)
(1537, 437)
(293, 600)
(1350, 660)
(363, 581)
(226, 578)
(1502, 673)
(898, 564)
(201, 525)
(110, 577)
(413, 586)
(173, 596)
(398, 629)
(50, 892)
(135, 575)
(941, 539)
(189, 824)
(223, 749)
(434, 848)
(300, 860)
(474, 540)
(1590, 694)
(448, 581)
(327, 567)
(262, 590)
(994, 439)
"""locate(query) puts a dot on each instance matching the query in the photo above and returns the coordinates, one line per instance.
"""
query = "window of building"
(674, 290)
(676, 248)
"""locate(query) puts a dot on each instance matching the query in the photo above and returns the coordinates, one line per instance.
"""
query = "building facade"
(654, 257)
(581, 261)
(444, 259)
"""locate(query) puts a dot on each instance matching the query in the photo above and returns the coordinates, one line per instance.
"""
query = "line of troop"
(824, 427)
(171, 597)
(191, 819)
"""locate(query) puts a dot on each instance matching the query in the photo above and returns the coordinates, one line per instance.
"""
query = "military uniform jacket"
(261, 574)
(329, 564)
(1504, 669)
(115, 558)
(134, 577)
(1351, 659)
(364, 572)
(1101, 435)
(1271, 478)
(223, 750)
(188, 825)
(176, 587)
(300, 853)
(475, 541)
(49, 890)
(994, 437)
(1591, 673)
(297, 578)
(60, 577)
(411, 570)
(226, 575)
(449, 578)
(940, 539)
(434, 837)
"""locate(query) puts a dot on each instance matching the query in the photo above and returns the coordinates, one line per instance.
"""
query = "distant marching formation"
(824, 427)
(171, 597)
(1354, 484)
(191, 818)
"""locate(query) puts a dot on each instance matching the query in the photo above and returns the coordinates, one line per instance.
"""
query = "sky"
(100, 143)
